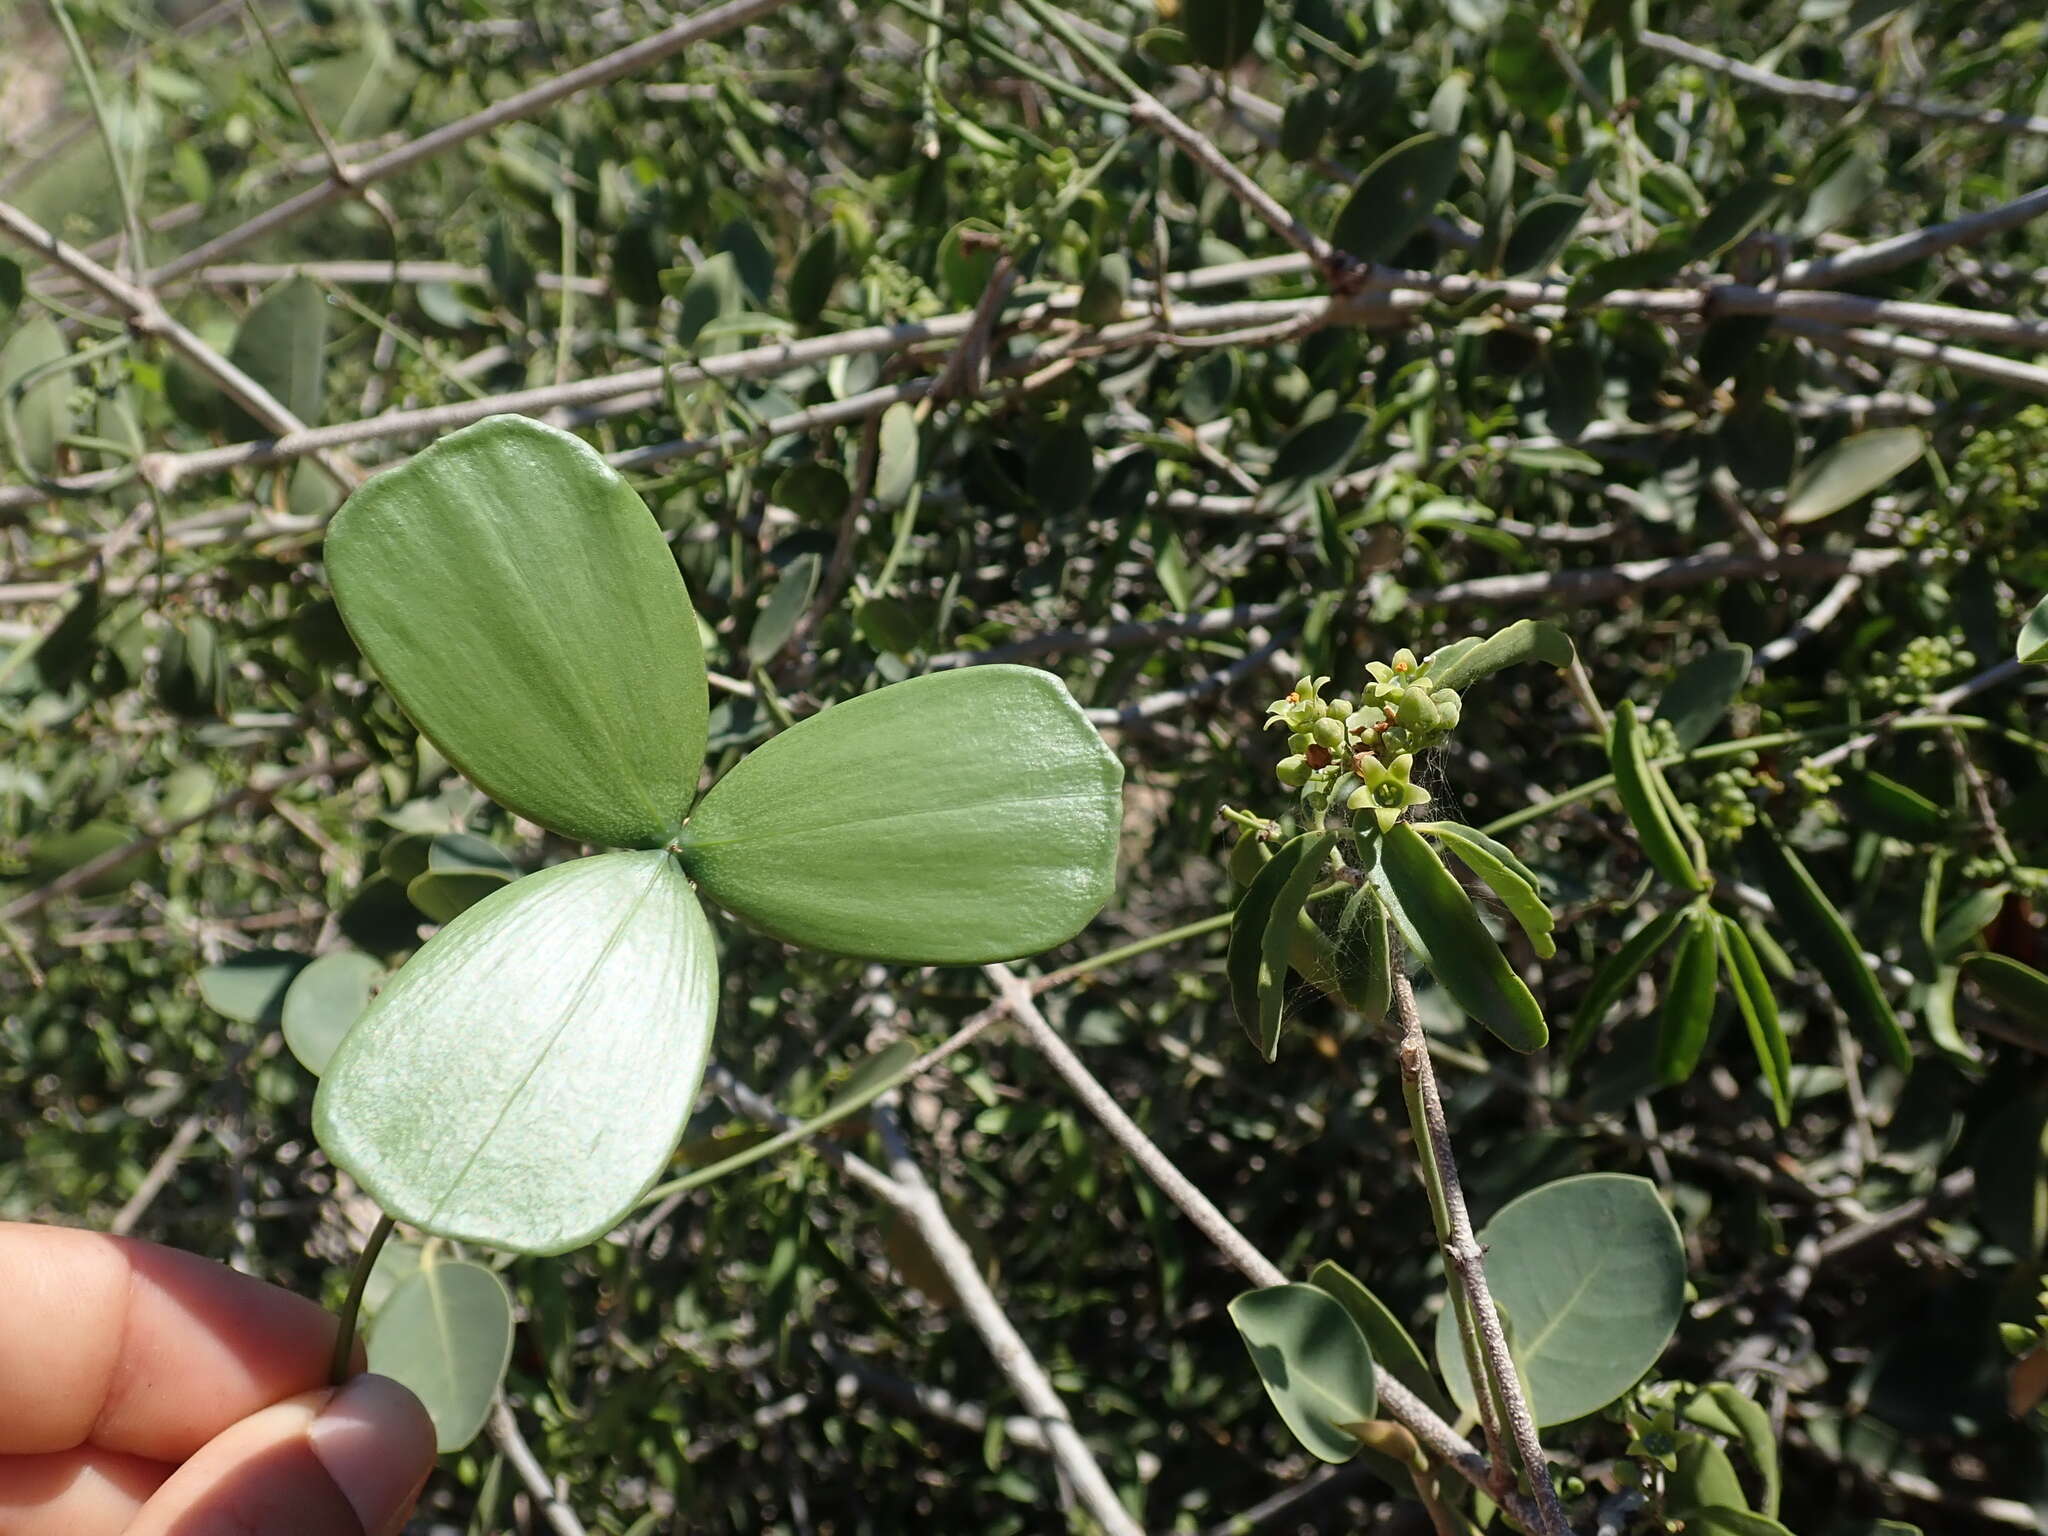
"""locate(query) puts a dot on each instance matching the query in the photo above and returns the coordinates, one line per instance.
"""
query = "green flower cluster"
(1368, 751)
(1919, 670)
(1727, 804)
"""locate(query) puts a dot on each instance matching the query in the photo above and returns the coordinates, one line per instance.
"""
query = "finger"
(347, 1462)
(86, 1492)
(141, 1349)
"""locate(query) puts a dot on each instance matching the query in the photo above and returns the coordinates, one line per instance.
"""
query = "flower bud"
(1292, 771)
(1328, 733)
(1300, 742)
(1340, 709)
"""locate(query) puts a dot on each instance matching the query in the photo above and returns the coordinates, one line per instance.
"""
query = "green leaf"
(778, 618)
(1851, 470)
(1314, 1362)
(1592, 1271)
(1722, 1407)
(1736, 215)
(704, 294)
(519, 600)
(967, 260)
(816, 271)
(444, 894)
(446, 1333)
(1965, 919)
(1820, 934)
(250, 988)
(1699, 696)
(42, 412)
(897, 455)
(1504, 874)
(12, 287)
(1364, 958)
(1312, 455)
(1703, 1476)
(817, 493)
(282, 345)
(1614, 974)
(323, 1000)
(54, 854)
(1436, 917)
(1261, 932)
(2014, 988)
(528, 1072)
(2033, 643)
(1717, 1520)
(1464, 662)
(1758, 1006)
(1542, 230)
(1393, 1348)
(1396, 196)
(962, 817)
(1220, 32)
(1688, 1002)
(1650, 268)
(1638, 784)
(1887, 806)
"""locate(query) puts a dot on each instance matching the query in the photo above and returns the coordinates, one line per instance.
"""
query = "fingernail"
(377, 1443)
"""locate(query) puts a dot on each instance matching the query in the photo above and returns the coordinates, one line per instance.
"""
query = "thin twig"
(1467, 1261)
(1402, 1405)
(1892, 102)
(504, 1431)
(640, 55)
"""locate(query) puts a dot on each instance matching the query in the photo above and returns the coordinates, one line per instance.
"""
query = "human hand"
(149, 1392)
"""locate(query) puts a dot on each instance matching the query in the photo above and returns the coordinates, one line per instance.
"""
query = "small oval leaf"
(446, 1333)
(1314, 1362)
(322, 1002)
(1396, 196)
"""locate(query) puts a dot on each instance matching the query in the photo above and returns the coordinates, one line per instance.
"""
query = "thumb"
(345, 1461)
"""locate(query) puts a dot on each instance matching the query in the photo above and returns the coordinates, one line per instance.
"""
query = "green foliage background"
(1414, 472)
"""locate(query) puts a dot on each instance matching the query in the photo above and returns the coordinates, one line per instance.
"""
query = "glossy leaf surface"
(527, 1073)
(1436, 916)
(1315, 1364)
(1591, 1274)
(519, 600)
(962, 817)
(1639, 786)
(446, 1333)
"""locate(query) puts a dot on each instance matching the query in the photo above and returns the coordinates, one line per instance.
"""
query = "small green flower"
(1301, 708)
(1387, 792)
